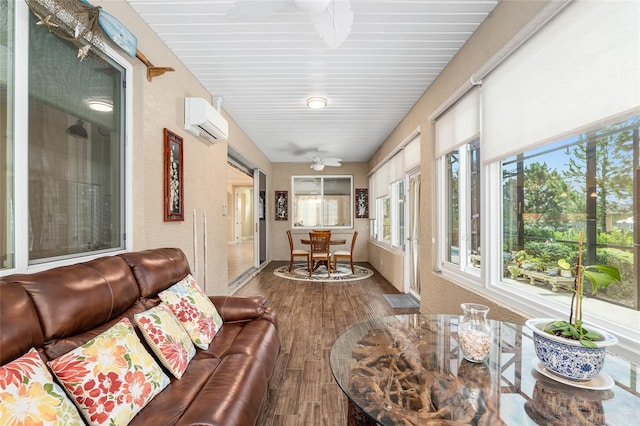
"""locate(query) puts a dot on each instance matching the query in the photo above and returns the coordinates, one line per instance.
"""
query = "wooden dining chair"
(320, 251)
(296, 252)
(344, 254)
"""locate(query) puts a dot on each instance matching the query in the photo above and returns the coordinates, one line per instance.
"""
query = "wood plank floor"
(311, 315)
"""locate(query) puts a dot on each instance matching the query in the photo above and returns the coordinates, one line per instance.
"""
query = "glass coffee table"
(407, 370)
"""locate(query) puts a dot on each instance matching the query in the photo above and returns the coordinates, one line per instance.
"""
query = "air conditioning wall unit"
(202, 119)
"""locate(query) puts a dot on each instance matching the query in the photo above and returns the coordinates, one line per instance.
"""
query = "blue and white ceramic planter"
(566, 357)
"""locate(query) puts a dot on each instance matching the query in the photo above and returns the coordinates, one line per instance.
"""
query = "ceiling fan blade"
(334, 23)
(310, 6)
(254, 10)
(335, 162)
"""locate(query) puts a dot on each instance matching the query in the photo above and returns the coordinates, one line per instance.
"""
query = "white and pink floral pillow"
(29, 396)
(194, 310)
(111, 377)
(166, 337)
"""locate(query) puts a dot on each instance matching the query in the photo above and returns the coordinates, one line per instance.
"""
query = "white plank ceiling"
(265, 69)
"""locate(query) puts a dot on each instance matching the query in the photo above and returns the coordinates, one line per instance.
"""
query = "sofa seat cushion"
(233, 395)
(258, 339)
(28, 395)
(111, 377)
(169, 405)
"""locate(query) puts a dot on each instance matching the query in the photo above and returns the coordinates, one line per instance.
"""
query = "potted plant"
(567, 348)
(565, 268)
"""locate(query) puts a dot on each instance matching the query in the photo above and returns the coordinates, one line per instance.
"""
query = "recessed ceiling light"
(100, 105)
(316, 102)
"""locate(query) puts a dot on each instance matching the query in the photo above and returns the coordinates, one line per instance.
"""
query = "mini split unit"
(202, 119)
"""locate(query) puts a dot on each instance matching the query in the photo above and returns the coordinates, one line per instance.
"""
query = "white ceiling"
(266, 69)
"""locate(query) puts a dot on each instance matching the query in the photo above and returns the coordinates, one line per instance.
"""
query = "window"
(582, 183)
(322, 202)
(384, 204)
(393, 215)
(73, 182)
(7, 247)
(461, 199)
(388, 187)
(398, 217)
(390, 208)
(551, 162)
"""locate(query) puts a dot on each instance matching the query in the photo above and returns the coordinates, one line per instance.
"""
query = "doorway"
(240, 196)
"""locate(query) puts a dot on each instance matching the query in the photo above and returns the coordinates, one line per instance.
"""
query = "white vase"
(567, 357)
(565, 273)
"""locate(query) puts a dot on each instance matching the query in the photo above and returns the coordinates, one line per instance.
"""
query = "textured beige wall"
(439, 295)
(390, 264)
(281, 181)
(159, 104)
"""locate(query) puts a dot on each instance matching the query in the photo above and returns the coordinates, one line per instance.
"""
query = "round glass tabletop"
(407, 369)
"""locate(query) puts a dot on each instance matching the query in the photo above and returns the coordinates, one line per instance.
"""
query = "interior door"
(413, 246)
(260, 228)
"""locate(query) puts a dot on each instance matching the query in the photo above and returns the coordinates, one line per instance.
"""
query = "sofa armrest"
(241, 309)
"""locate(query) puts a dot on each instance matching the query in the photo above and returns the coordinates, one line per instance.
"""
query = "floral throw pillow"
(217, 319)
(194, 310)
(29, 396)
(169, 341)
(111, 377)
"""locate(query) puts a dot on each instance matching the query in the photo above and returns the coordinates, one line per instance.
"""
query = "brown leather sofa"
(62, 308)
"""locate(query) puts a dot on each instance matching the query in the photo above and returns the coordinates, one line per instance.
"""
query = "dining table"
(408, 370)
(332, 241)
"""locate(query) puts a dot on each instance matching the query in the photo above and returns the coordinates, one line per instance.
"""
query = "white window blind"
(411, 154)
(582, 68)
(459, 124)
(381, 178)
(396, 167)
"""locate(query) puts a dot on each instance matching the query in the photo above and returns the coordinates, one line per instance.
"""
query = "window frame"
(21, 155)
(489, 280)
(462, 270)
(323, 202)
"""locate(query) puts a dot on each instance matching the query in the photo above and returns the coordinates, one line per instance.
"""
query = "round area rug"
(343, 273)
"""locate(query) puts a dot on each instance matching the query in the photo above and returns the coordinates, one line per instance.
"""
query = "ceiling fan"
(332, 19)
(319, 163)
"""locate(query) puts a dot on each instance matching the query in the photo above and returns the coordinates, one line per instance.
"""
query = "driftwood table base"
(408, 370)
(397, 376)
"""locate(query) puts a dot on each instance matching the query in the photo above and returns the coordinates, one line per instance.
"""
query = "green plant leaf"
(591, 336)
(564, 264)
(588, 343)
(601, 276)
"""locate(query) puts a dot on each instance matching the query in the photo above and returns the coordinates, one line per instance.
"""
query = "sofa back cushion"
(19, 324)
(157, 269)
(73, 299)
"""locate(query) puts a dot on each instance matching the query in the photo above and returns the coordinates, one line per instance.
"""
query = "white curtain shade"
(459, 124)
(411, 154)
(396, 167)
(582, 69)
(381, 181)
